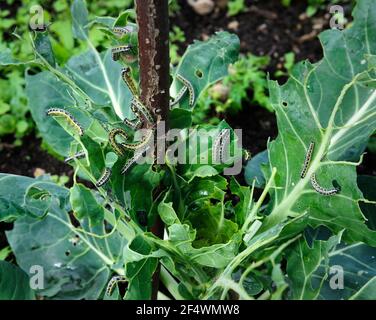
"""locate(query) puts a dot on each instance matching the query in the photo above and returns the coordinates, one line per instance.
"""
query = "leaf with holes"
(333, 104)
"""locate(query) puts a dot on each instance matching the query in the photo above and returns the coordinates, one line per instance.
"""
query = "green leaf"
(167, 213)
(76, 264)
(140, 272)
(23, 199)
(14, 283)
(6, 58)
(331, 103)
(303, 262)
(253, 169)
(84, 204)
(57, 96)
(80, 19)
(100, 78)
(206, 62)
(43, 47)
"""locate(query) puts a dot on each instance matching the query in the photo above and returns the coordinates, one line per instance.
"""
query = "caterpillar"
(120, 31)
(114, 281)
(321, 190)
(133, 124)
(104, 178)
(224, 144)
(127, 78)
(218, 146)
(137, 145)
(112, 139)
(78, 155)
(180, 95)
(189, 87)
(57, 112)
(307, 160)
(139, 106)
(133, 160)
(118, 51)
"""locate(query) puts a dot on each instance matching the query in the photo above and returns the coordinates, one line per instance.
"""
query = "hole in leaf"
(67, 253)
(199, 73)
(285, 104)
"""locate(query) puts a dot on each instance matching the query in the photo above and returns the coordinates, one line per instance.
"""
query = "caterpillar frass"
(307, 160)
(127, 78)
(114, 281)
(139, 106)
(137, 156)
(57, 112)
(78, 155)
(120, 31)
(189, 87)
(138, 145)
(112, 139)
(180, 95)
(320, 189)
(104, 178)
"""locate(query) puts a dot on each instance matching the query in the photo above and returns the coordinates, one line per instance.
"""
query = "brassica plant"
(314, 218)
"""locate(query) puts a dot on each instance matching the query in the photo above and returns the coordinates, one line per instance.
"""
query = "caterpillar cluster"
(315, 185)
(114, 281)
(57, 112)
(187, 86)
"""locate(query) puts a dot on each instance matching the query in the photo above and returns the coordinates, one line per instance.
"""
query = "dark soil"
(29, 158)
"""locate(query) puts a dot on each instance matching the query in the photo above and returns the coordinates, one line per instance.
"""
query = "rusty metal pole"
(153, 42)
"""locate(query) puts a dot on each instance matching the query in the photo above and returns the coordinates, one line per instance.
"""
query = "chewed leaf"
(205, 63)
(330, 104)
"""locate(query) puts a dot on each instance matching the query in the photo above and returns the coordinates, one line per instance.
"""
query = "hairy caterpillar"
(78, 155)
(138, 145)
(112, 139)
(57, 112)
(114, 281)
(307, 160)
(133, 160)
(118, 51)
(189, 87)
(219, 145)
(133, 124)
(321, 190)
(224, 144)
(180, 95)
(139, 106)
(104, 178)
(127, 78)
(120, 31)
